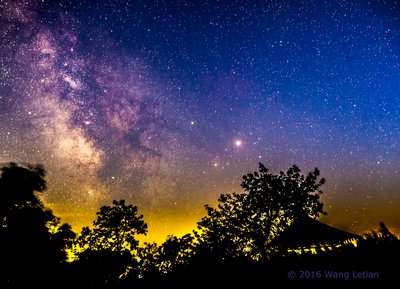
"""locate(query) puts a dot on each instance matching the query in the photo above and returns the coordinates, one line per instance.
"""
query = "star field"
(166, 104)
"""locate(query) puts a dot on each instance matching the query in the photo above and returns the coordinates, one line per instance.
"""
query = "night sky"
(166, 104)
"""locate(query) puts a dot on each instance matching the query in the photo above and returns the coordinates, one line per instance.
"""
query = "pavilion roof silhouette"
(306, 232)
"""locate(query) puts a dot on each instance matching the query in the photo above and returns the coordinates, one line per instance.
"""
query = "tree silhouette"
(107, 250)
(175, 252)
(114, 229)
(32, 240)
(158, 265)
(18, 185)
(381, 236)
(243, 224)
(148, 261)
(230, 250)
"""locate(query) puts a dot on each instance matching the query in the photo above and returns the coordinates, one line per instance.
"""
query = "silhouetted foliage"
(381, 236)
(244, 223)
(175, 252)
(100, 269)
(32, 241)
(18, 185)
(231, 250)
(148, 261)
(158, 264)
(108, 250)
(114, 229)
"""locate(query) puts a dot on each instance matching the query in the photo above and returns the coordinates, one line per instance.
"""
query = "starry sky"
(166, 104)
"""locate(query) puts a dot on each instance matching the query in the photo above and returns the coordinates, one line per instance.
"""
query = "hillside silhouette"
(267, 235)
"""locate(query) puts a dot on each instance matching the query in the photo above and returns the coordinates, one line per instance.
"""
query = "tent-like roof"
(306, 231)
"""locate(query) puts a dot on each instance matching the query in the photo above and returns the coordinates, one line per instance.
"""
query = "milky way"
(167, 104)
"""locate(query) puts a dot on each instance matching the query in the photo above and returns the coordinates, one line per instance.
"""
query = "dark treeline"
(234, 246)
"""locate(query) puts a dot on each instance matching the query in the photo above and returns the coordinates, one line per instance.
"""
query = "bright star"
(238, 143)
